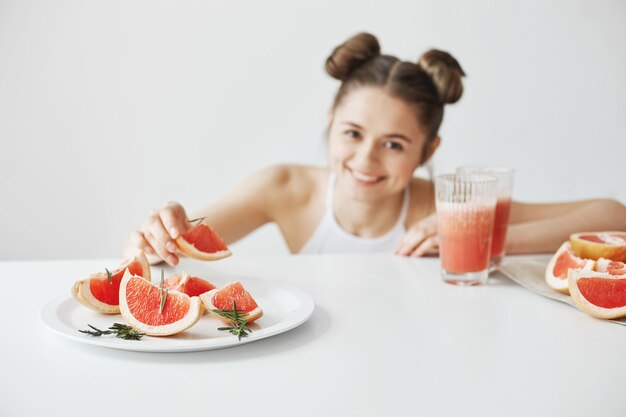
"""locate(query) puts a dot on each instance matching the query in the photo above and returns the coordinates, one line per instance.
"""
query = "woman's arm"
(535, 228)
(251, 204)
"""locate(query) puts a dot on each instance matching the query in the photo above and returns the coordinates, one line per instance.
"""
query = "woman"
(382, 126)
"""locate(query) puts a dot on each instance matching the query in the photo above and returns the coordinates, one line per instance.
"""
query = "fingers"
(412, 239)
(174, 219)
(161, 228)
(420, 239)
(429, 246)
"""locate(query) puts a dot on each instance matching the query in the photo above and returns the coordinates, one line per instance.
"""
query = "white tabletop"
(387, 338)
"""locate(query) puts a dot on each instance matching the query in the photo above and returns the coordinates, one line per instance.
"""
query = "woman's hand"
(420, 239)
(157, 234)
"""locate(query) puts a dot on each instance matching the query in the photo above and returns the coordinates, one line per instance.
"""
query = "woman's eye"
(351, 133)
(394, 145)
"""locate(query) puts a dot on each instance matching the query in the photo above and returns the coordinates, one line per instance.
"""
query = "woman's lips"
(364, 178)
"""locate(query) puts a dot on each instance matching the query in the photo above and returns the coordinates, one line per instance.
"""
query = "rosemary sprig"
(122, 331)
(162, 293)
(239, 326)
(199, 220)
(108, 275)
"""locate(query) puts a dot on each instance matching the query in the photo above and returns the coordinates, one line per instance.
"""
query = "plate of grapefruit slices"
(197, 328)
(123, 308)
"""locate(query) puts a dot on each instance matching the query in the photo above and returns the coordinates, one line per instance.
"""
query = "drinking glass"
(503, 205)
(465, 205)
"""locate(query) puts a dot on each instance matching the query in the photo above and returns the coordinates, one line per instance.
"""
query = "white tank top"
(330, 237)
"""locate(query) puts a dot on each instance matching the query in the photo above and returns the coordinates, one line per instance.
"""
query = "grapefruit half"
(599, 294)
(101, 291)
(596, 245)
(223, 300)
(140, 305)
(192, 286)
(562, 261)
(202, 242)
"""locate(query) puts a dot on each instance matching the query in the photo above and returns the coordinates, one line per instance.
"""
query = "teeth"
(363, 177)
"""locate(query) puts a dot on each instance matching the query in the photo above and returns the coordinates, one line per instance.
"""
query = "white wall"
(110, 108)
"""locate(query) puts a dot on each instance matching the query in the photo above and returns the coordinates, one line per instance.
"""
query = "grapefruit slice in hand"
(192, 286)
(599, 294)
(154, 312)
(203, 243)
(100, 292)
(223, 300)
(563, 260)
(596, 245)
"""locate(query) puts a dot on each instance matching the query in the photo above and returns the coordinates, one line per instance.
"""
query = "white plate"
(284, 308)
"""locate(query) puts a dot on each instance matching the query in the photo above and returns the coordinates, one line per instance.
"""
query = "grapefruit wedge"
(599, 294)
(596, 245)
(223, 300)
(203, 243)
(100, 291)
(192, 286)
(563, 260)
(154, 312)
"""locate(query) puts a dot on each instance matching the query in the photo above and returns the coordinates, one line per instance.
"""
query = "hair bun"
(445, 72)
(350, 54)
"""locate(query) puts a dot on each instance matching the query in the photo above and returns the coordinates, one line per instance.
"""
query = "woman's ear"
(430, 149)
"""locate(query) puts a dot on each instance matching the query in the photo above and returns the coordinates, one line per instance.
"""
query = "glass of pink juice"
(503, 205)
(466, 207)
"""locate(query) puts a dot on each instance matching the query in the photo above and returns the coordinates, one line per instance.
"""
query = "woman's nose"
(366, 152)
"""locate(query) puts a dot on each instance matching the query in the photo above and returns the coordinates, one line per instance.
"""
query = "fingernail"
(171, 246)
(172, 260)
(173, 232)
(149, 250)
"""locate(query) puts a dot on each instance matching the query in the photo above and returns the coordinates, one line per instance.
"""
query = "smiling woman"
(382, 126)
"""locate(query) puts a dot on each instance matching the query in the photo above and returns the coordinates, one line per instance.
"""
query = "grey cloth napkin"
(530, 274)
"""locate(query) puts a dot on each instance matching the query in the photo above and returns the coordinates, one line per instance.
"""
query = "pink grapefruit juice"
(500, 225)
(465, 234)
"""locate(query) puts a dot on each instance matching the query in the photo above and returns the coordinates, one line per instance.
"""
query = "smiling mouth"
(363, 178)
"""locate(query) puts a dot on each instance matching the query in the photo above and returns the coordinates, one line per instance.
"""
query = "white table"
(387, 338)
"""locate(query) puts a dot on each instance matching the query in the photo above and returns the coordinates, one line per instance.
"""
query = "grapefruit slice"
(101, 291)
(563, 260)
(596, 245)
(202, 242)
(142, 307)
(192, 286)
(223, 300)
(599, 294)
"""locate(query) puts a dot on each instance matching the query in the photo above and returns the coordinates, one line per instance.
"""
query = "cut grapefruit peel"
(203, 243)
(562, 262)
(227, 292)
(596, 245)
(140, 297)
(94, 292)
(598, 294)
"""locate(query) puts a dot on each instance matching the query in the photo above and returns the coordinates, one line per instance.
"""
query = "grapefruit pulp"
(599, 294)
(562, 261)
(223, 300)
(202, 242)
(154, 312)
(596, 245)
(100, 291)
(192, 286)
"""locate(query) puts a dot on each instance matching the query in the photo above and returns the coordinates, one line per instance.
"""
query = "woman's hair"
(427, 85)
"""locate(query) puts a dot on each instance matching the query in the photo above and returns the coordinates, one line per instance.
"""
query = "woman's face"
(375, 144)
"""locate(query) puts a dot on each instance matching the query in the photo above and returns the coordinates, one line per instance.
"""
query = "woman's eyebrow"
(390, 135)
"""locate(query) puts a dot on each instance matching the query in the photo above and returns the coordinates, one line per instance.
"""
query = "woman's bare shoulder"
(292, 185)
